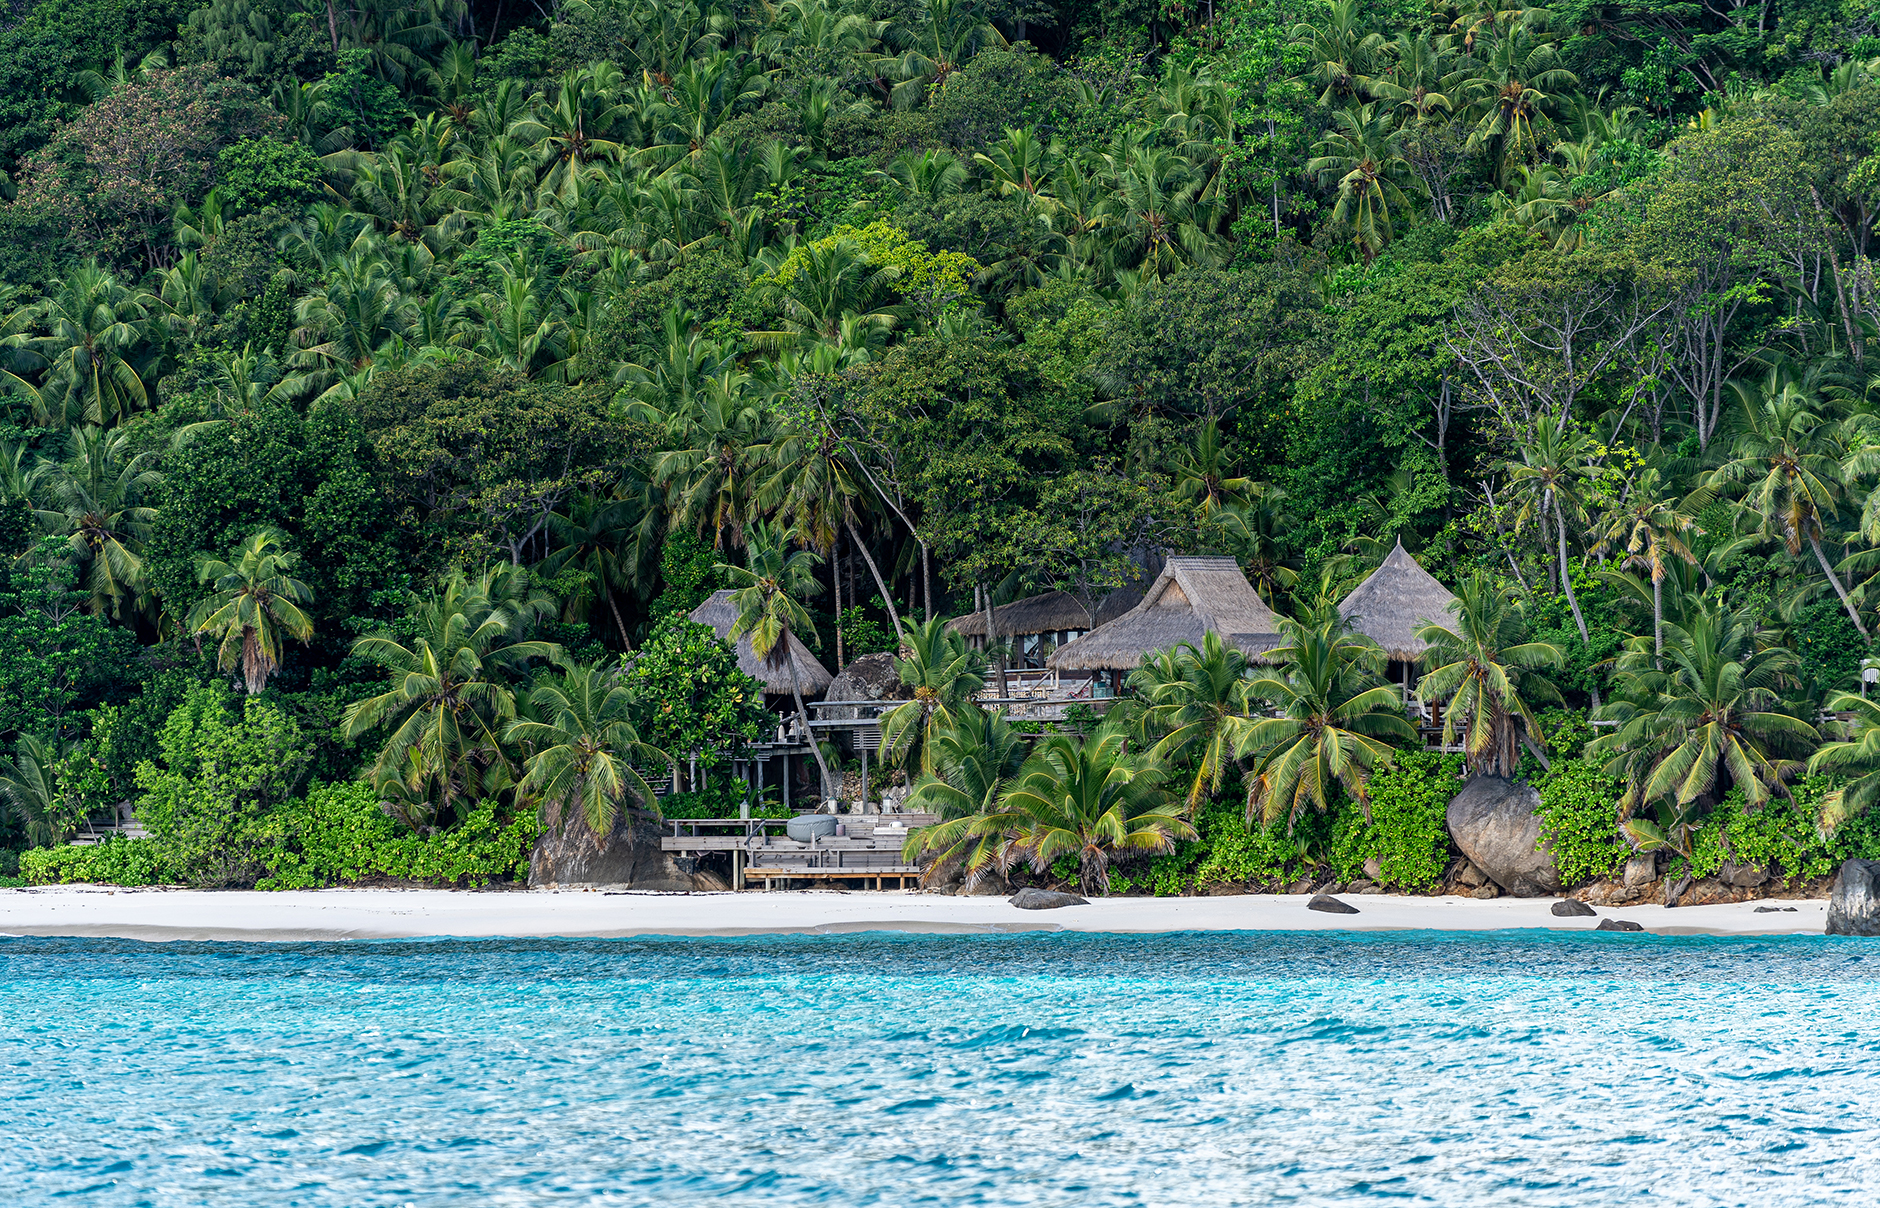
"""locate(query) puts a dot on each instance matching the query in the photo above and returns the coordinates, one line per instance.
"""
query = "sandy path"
(339, 914)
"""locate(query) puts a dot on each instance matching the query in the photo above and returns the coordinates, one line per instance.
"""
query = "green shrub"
(1408, 832)
(115, 861)
(220, 777)
(338, 835)
(1580, 821)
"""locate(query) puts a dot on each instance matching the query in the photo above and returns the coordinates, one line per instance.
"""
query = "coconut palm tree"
(94, 497)
(1334, 711)
(767, 593)
(716, 453)
(1857, 756)
(1480, 665)
(448, 703)
(1206, 476)
(944, 673)
(945, 38)
(1790, 458)
(29, 789)
(1196, 698)
(1546, 480)
(1707, 714)
(1343, 52)
(87, 343)
(1092, 800)
(975, 755)
(1363, 156)
(581, 743)
(825, 283)
(255, 602)
(1510, 85)
(1651, 529)
(609, 542)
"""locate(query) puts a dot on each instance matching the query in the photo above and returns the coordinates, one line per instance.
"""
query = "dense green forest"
(376, 376)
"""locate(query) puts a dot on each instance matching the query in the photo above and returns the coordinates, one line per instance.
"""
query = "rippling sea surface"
(1514, 1068)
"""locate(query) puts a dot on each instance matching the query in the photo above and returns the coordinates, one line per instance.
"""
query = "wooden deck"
(870, 850)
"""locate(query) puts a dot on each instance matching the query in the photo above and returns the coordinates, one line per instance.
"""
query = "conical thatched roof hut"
(722, 615)
(1398, 599)
(1051, 612)
(1189, 599)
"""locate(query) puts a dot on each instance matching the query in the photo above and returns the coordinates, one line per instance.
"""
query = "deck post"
(861, 806)
(786, 780)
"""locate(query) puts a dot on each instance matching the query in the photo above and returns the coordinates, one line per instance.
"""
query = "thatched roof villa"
(722, 615)
(1189, 599)
(1038, 625)
(1398, 598)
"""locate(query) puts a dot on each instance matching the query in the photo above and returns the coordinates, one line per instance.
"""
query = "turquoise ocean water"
(1323, 1068)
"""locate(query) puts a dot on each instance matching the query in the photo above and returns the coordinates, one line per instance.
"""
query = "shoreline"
(159, 915)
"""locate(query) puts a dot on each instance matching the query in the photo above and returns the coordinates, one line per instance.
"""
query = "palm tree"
(766, 595)
(1205, 474)
(1481, 666)
(1363, 155)
(29, 788)
(975, 755)
(944, 673)
(1546, 481)
(1255, 534)
(447, 703)
(1196, 698)
(256, 602)
(1706, 714)
(716, 449)
(1019, 163)
(1342, 52)
(1334, 710)
(95, 498)
(1511, 87)
(948, 35)
(826, 282)
(1858, 755)
(1651, 530)
(1791, 458)
(91, 353)
(609, 545)
(1160, 213)
(580, 741)
(1092, 800)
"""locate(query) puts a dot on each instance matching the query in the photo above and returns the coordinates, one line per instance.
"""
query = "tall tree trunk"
(1852, 614)
(926, 579)
(802, 712)
(1658, 614)
(992, 639)
(1566, 580)
(836, 578)
(626, 643)
(887, 597)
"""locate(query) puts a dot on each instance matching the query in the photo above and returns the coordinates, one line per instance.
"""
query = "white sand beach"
(365, 914)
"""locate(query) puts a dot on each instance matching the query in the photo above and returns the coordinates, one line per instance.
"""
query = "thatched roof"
(1052, 612)
(1189, 599)
(1398, 599)
(722, 615)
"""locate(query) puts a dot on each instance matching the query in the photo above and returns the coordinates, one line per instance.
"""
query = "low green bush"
(1580, 821)
(115, 861)
(338, 835)
(1408, 831)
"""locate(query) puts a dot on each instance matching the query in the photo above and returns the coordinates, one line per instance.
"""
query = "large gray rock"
(870, 677)
(1493, 821)
(1327, 904)
(1567, 908)
(1854, 908)
(627, 857)
(1045, 899)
